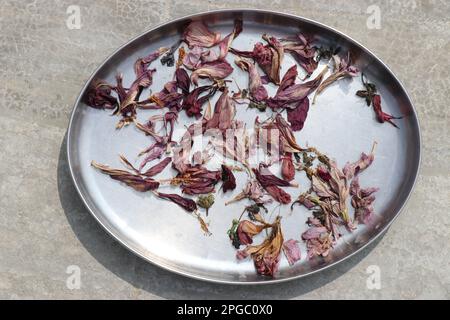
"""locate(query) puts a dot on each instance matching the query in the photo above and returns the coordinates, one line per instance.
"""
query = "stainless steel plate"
(339, 124)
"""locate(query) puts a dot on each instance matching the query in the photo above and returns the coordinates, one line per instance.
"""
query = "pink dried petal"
(198, 34)
(291, 251)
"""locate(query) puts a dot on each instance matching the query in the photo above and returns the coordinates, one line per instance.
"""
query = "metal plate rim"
(212, 279)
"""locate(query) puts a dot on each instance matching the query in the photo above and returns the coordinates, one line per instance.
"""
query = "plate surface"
(339, 124)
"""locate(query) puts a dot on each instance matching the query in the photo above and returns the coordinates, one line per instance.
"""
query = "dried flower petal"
(342, 69)
(224, 112)
(133, 180)
(353, 169)
(185, 203)
(182, 80)
(287, 167)
(302, 51)
(362, 201)
(198, 34)
(266, 178)
(292, 94)
(269, 57)
(193, 103)
(278, 194)
(257, 90)
(214, 70)
(291, 251)
(229, 181)
(297, 116)
(99, 96)
(266, 256)
(157, 168)
(247, 230)
(318, 241)
(382, 116)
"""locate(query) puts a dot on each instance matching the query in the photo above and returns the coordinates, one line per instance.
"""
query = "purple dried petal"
(185, 203)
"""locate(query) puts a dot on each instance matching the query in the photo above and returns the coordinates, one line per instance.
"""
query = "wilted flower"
(266, 256)
(371, 96)
(198, 34)
(362, 201)
(182, 80)
(278, 194)
(193, 102)
(353, 169)
(297, 116)
(318, 239)
(302, 51)
(289, 95)
(157, 168)
(99, 96)
(269, 57)
(224, 112)
(270, 183)
(382, 116)
(287, 167)
(214, 70)
(246, 230)
(257, 90)
(134, 180)
(197, 180)
(229, 181)
(185, 203)
(342, 69)
(277, 133)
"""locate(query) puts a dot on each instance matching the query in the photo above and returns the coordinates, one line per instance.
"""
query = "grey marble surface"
(44, 227)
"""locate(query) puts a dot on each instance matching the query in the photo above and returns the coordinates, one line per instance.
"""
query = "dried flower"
(185, 203)
(278, 194)
(382, 116)
(342, 69)
(197, 180)
(99, 96)
(269, 57)
(133, 180)
(257, 90)
(287, 167)
(206, 202)
(198, 34)
(224, 112)
(266, 256)
(302, 51)
(193, 103)
(157, 168)
(362, 201)
(297, 116)
(371, 97)
(182, 80)
(290, 95)
(318, 241)
(214, 70)
(247, 230)
(229, 181)
(353, 169)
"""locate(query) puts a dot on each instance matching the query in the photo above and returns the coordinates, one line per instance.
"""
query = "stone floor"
(44, 227)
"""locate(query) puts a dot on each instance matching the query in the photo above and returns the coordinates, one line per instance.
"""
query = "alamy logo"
(74, 19)
(73, 281)
(374, 19)
(374, 279)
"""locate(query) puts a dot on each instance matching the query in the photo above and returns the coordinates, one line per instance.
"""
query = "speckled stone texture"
(44, 227)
